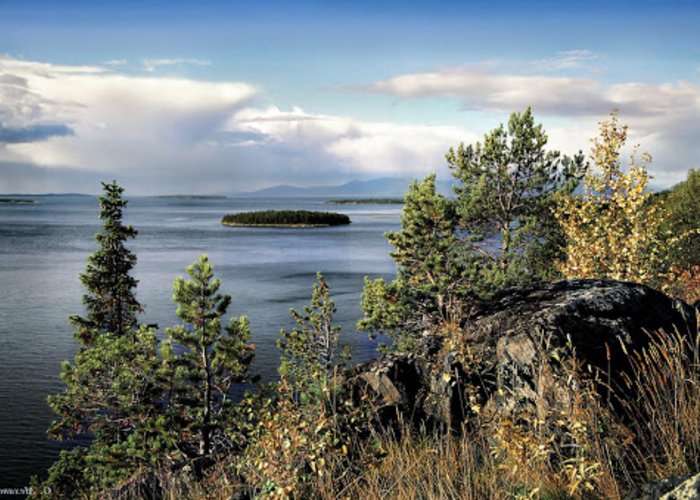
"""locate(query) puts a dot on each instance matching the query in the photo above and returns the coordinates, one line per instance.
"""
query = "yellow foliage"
(612, 229)
(683, 284)
(293, 446)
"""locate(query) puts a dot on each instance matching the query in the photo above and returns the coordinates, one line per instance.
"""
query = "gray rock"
(516, 348)
(656, 490)
(688, 490)
(673, 488)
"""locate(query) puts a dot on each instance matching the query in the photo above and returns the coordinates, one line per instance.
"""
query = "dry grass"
(590, 451)
(665, 415)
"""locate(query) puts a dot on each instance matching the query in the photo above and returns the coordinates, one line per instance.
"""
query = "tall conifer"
(111, 391)
(110, 303)
(505, 194)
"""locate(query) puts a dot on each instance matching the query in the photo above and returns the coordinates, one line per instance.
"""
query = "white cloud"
(569, 59)
(487, 90)
(179, 134)
(120, 123)
(663, 118)
(151, 65)
(115, 62)
(373, 148)
(186, 135)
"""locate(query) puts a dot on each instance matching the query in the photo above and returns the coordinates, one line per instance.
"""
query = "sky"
(212, 97)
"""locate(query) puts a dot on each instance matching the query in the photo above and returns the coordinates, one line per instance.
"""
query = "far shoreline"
(280, 225)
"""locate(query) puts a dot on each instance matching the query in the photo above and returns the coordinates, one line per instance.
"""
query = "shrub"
(612, 229)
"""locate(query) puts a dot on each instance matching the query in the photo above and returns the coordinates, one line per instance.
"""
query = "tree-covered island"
(285, 218)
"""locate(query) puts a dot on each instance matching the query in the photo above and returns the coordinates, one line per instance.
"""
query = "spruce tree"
(211, 359)
(112, 388)
(110, 303)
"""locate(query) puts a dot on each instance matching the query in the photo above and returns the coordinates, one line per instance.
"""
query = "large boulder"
(511, 356)
(687, 490)
(673, 488)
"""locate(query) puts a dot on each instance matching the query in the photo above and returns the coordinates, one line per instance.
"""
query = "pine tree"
(504, 197)
(311, 352)
(453, 255)
(112, 397)
(438, 275)
(214, 358)
(110, 303)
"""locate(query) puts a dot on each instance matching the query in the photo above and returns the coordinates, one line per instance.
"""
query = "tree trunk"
(505, 246)
(204, 442)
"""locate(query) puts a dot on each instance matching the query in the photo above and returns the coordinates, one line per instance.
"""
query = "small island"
(16, 201)
(285, 218)
(367, 201)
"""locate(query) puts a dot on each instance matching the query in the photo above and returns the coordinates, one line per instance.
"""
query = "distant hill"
(381, 187)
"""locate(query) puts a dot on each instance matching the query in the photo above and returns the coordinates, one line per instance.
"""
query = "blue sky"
(223, 96)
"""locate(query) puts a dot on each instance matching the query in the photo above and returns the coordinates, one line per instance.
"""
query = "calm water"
(44, 246)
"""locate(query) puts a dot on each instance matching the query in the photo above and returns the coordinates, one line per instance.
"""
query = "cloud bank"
(152, 65)
(663, 118)
(164, 134)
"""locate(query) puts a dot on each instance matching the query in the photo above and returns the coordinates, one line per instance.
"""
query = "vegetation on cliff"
(285, 218)
(471, 403)
(452, 254)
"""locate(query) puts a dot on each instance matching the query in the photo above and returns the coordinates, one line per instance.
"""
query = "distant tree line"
(286, 218)
(367, 201)
(16, 201)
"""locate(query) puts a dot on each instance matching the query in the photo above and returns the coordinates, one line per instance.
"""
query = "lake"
(44, 246)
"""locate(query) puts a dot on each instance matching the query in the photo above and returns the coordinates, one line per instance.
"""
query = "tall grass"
(602, 446)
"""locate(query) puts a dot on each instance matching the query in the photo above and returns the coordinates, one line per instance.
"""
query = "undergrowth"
(609, 441)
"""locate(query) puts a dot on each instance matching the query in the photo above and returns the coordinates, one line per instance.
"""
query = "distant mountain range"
(384, 187)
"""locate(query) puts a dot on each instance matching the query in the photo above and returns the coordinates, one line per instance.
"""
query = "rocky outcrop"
(687, 490)
(673, 488)
(513, 355)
